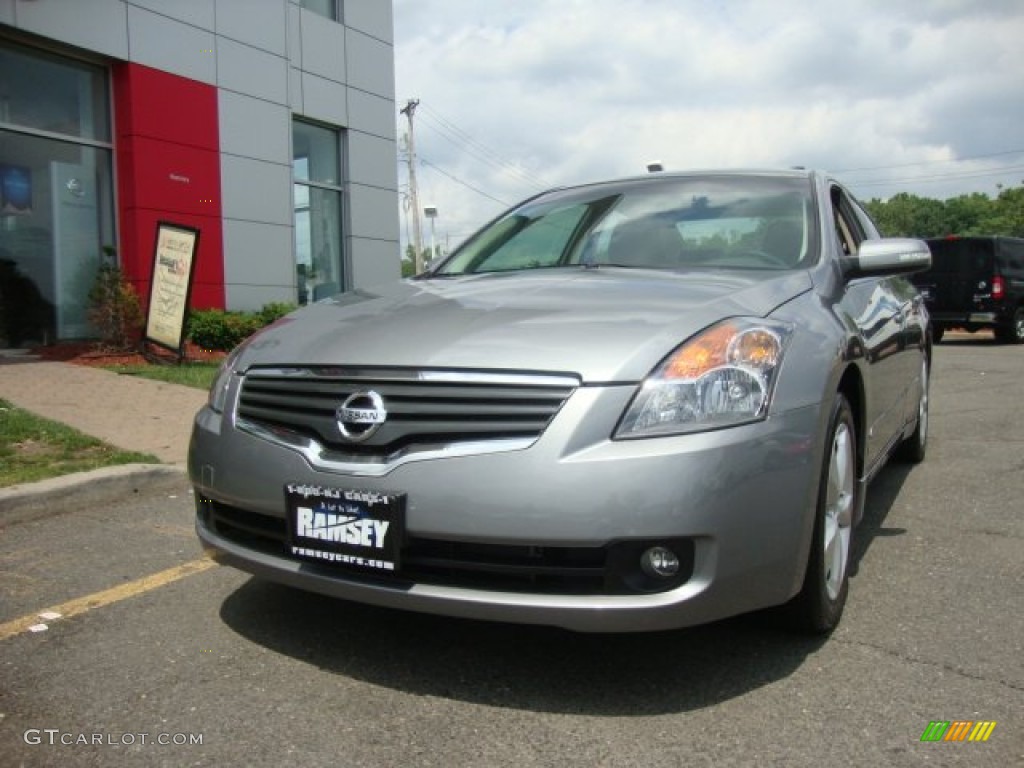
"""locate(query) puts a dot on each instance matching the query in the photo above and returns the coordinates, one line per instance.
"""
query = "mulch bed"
(93, 354)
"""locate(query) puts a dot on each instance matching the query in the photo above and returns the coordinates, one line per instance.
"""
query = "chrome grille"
(424, 408)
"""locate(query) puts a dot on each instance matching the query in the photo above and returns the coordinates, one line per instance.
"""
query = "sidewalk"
(126, 411)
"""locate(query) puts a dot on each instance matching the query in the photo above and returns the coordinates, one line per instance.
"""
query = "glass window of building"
(56, 193)
(328, 8)
(317, 198)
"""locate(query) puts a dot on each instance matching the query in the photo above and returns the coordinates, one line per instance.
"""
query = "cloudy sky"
(925, 97)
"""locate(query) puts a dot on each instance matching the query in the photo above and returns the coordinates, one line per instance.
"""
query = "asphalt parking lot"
(161, 658)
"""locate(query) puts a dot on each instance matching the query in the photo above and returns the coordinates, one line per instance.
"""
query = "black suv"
(974, 283)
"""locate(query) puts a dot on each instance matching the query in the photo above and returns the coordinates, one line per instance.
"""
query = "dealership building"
(267, 126)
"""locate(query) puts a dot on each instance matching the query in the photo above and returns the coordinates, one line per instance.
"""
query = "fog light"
(659, 562)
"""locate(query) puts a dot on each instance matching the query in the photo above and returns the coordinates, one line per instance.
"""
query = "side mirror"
(889, 256)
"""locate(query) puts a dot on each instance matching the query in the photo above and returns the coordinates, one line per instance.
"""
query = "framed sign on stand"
(174, 260)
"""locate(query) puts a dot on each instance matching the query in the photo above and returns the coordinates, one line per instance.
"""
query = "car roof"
(791, 173)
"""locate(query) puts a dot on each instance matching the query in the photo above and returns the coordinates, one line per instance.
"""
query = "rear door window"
(962, 257)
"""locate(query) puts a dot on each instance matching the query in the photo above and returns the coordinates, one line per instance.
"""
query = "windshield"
(719, 222)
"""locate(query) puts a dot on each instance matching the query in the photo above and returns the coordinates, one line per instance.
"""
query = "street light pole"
(430, 211)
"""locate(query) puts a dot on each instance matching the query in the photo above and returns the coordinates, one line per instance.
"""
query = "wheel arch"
(851, 386)
(846, 379)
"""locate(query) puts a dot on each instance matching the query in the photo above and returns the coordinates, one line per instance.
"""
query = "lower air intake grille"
(525, 569)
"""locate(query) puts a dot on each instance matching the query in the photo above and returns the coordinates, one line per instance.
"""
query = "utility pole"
(417, 236)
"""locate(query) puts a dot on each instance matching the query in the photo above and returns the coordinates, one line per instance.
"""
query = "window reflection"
(48, 93)
(317, 203)
(56, 194)
(328, 8)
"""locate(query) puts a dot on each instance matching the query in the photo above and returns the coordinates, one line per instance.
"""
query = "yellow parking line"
(107, 596)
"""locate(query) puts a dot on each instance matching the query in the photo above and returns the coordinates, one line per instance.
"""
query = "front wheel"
(819, 605)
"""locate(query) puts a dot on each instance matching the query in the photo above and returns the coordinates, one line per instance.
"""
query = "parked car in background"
(976, 283)
(622, 406)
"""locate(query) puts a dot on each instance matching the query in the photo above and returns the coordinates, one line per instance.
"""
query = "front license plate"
(363, 529)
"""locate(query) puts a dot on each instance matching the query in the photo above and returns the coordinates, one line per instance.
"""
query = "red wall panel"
(172, 177)
(168, 169)
(166, 107)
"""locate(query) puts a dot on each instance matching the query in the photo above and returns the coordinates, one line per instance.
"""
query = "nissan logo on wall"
(360, 416)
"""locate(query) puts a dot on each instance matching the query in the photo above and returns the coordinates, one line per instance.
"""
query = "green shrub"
(114, 307)
(206, 328)
(219, 329)
(275, 310)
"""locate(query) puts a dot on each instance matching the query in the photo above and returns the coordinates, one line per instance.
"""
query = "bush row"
(224, 330)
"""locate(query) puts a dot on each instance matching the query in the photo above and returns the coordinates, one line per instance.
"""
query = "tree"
(906, 215)
(965, 215)
(409, 262)
(1007, 214)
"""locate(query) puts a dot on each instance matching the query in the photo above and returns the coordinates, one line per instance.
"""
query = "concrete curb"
(58, 495)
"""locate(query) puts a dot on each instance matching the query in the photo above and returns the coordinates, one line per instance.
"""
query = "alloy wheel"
(922, 406)
(838, 510)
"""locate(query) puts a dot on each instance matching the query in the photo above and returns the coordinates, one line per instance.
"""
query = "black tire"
(1013, 332)
(819, 605)
(912, 450)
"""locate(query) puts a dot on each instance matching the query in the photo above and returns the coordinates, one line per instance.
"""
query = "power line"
(940, 177)
(468, 150)
(451, 132)
(466, 141)
(437, 168)
(932, 162)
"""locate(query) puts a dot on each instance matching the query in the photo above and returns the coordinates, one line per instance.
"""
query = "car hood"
(603, 325)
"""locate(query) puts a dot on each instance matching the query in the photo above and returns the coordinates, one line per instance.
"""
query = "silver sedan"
(623, 406)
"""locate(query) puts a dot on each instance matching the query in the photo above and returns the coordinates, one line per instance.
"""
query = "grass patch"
(33, 448)
(198, 375)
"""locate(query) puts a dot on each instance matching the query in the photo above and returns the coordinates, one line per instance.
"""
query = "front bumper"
(743, 498)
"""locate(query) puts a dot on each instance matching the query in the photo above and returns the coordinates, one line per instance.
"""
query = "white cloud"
(516, 96)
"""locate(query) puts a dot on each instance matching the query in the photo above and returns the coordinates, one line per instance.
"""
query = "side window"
(867, 224)
(1013, 251)
(849, 230)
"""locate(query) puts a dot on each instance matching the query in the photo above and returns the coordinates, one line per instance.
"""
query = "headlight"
(219, 389)
(720, 378)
